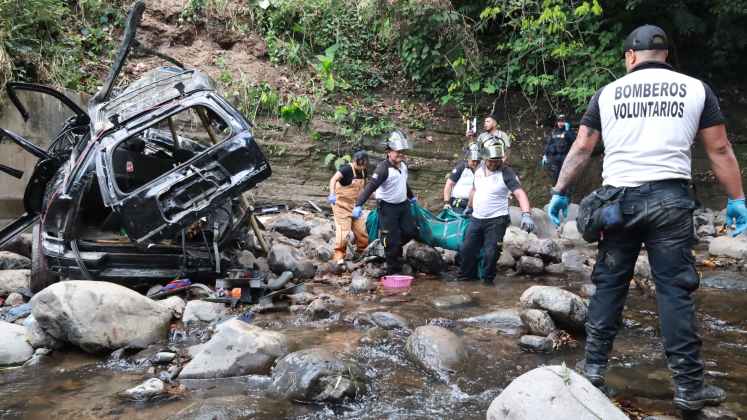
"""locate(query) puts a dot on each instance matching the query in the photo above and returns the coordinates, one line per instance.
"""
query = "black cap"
(561, 117)
(646, 37)
(360, 155)
(493, 115)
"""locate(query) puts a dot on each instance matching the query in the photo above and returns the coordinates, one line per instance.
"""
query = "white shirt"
(465, 179)
(649, 119)
(491, 191)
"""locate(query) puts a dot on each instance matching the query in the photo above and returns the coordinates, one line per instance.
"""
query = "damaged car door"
(163, 172)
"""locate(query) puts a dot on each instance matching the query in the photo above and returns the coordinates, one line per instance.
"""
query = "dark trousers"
(659, 215)
(397, 228)
(485, 235)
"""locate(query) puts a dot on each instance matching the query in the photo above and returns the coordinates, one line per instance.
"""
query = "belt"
(660, 185)
(459, 202)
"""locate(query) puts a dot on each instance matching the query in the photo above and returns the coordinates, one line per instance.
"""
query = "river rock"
(12, 280)
(516, 240)
(12, 261)
(236, 349)
(555, 268)
(375, 249)
(292, 226)
(552, 392)
(587, 290)
(642, 267)
(506, 321)
(424, 258)
(14, 299)
(573, 261)
(716, 413)
(324, 230)
(704, 216)
(530, 265)
(569, 231)
(37, 337)
(449, 256)
(536, 343)
(316, 375)
(565, 308)
(98, 316)
(506, 260)
(436, 349)
(175, 304)
(286, 258)
(15, 348)
(705, 230)
(246, 259)
(726, 246)
(201, 311)
(725, 280)
(147, 390)
(375, 271)
(323, 307)
(389, 321)
(360, 282)
(452, 301)
(547, 249)
(538, 322)
(318, 247)
(20, 245)
(720, 218)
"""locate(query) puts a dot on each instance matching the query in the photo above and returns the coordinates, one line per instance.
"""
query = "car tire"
(41, 277)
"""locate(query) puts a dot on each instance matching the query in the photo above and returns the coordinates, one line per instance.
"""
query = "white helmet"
(494, 148)
(397, 141)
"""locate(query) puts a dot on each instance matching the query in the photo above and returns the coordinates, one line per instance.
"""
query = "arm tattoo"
(574, 164)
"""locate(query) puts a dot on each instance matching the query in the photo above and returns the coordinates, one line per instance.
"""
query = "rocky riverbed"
(334, 344)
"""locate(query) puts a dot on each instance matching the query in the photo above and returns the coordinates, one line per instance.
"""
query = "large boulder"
(13, 261)
(37, 337)
(538, 322)
(98, 316)
(569, 231)
(574, 261)
(283, 257)
(236, 349)
(318, 247)
(323, 229)
(547, 249)
(436, 349)
(507, 321)
(726, 246)
(175, 304)
(316, 375)
(15, 348)
(202, 311)
(516, 241)
(12, 280)
(20, 245)
(566, 309)
(292, 226)
(552, 392)
(424, 258)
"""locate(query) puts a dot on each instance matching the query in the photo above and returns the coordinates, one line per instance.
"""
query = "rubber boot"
(692, 400)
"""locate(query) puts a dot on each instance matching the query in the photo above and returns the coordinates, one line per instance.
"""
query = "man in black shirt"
(557, 145)
(344, 187)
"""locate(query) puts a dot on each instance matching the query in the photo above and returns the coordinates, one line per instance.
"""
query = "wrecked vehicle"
(147, 184)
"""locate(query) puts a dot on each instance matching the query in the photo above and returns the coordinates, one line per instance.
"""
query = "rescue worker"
(490, 125)
(558, 144)
(648, 120)
(459, 184)
(394, 196)
(489, 210)
(344, 187)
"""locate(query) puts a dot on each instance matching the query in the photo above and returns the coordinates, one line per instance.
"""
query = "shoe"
(593, 372)
(693, 400)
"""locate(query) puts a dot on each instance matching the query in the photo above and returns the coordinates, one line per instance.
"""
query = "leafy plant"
(298, 111)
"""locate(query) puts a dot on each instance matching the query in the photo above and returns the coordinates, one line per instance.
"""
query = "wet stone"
(538, 322)
(555, 269)
(200, 311)
(546, 249)
(291, 226)
(535, 343)
(530, 265)
(573, 261)
(506, 260)
(566, 309)
(453, 301)
(725, 280)
(424, 258)
(436, 349)
(506, 321)
(726, 246)
(360, 282)
(716, 413)
(147, 390)
(389, 321)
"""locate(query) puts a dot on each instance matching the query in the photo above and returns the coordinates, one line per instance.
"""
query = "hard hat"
(360, 155)
(473, 152)
(397, 141)
(494, 148)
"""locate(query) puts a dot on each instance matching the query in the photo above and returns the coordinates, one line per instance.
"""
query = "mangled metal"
(147, 184)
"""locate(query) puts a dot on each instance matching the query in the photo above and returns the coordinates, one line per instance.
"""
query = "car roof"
(154, 88)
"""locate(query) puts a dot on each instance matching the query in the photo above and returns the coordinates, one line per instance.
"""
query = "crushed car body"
(147, 184)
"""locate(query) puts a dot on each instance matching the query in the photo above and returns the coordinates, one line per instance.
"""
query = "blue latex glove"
(544, 161)
(736, 213)
(527, 223)
(559, 203)
(332, 199)
(357, 210)
(414, 200)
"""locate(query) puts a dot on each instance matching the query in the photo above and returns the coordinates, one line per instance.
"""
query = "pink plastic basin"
(396, 281)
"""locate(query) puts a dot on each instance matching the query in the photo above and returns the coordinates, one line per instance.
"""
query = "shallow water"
(71, 385)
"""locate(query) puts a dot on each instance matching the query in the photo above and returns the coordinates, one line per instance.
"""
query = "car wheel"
(41, 277)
